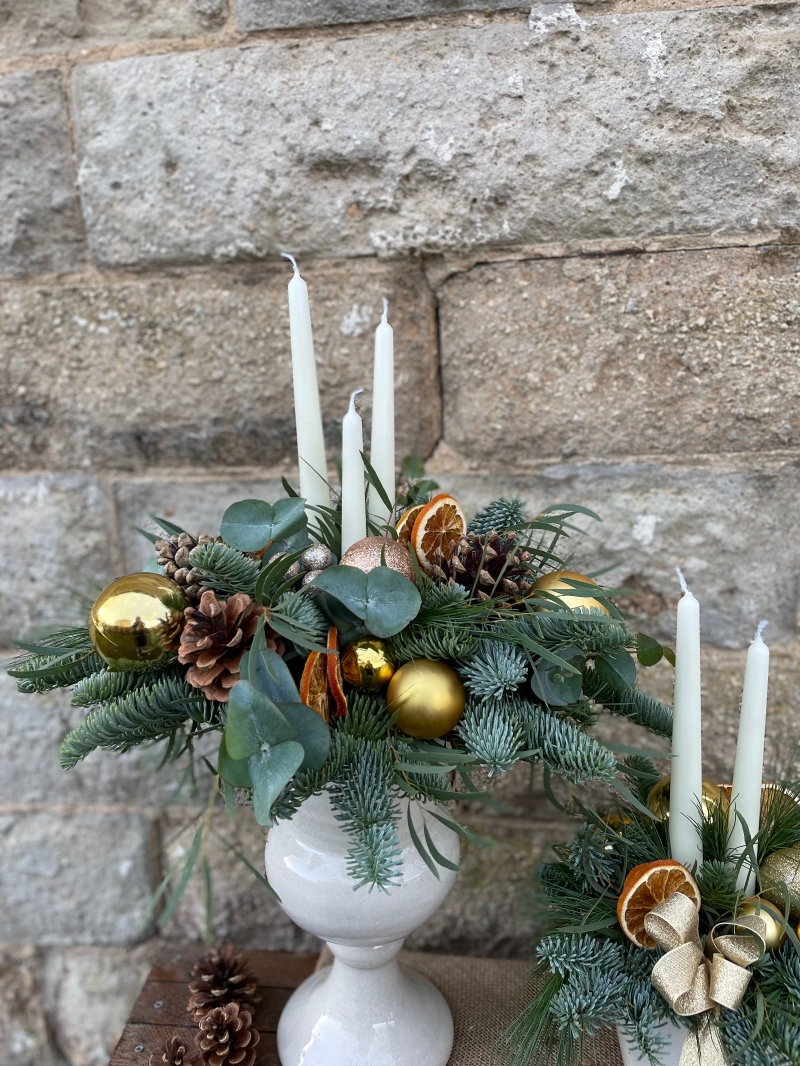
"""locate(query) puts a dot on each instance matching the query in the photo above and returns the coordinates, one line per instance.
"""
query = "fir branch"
(492, 732)
(567, 751)
(225, 570)
(495, 670)
(367, 717)
(40, 673)
(563, 954)
(499, 517)
(590, 634)
(105, 685)
(297, 610)
(633, 704)
(149, 713)
(420, 641)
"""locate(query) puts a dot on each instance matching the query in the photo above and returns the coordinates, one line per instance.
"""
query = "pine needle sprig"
(298, 618)
(418, 641)
(367, 717)
(105, 685)
(493, 732)
(149, 713)
(494, 670)
(55, 661)
(499, 517)
(564, 747)
(631, 703)
(225, 570)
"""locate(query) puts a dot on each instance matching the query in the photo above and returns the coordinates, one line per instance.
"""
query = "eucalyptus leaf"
(616, 668)
(555, 685)
(648, 651)
(253, 721)
(383, 599)
(250, 525)
(270, 771)
(312, 733)
(266, 671)
(234, 771)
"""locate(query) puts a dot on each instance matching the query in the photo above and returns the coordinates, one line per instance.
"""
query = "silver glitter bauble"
(307, 582)
(317, 557)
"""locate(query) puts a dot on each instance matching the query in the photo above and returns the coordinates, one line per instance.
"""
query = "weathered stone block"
(75, 879)
(40, 227)
(281, 14)
(54, 551)
(679, 352)
(197, 371)
(731, 528)
(568, 126)
(32, 26)
(31, 730)
(89, 993)
(26, 1040)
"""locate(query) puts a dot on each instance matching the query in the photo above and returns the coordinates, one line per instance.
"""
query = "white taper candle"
(308, 416)
(749, 765)
(686, 785)
(382, 443)
(354, 509)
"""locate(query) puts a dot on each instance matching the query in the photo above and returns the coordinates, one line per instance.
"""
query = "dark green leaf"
(375, 481)
(312, 733)
(266, 671)
(648, 651)
(616, 668)
(191, 859)
(669, 655)
(419, 846)
(258, 876)
(150, 536)
(448, 865)
(233, 771)
(168, 527)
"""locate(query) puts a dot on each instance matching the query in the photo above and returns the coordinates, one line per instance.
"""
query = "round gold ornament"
(428, 697)
(556, 583)
(366, 554)
(658, 799)
(137, 620)
(368, 664)
(770, 915)
(782, 865)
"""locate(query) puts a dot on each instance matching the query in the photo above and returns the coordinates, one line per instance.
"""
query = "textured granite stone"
(197, 370)
(569, 126)
(673, 353)
(732, 529)
(40, 228)
(282, 14)
(55, 553)
(82, 878)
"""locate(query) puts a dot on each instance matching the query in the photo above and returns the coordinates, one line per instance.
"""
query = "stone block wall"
(586, 221)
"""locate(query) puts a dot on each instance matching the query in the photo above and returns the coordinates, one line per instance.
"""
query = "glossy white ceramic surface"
(365, 1009)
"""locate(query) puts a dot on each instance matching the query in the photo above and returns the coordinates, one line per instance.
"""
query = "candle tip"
(682, 579)
(353, 398)
(292, 260)
(385, 309)
(761, 627)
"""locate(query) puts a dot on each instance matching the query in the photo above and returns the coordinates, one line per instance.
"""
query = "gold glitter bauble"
(782, 865)
(770, 915)
(555, 583)
(428, 697)
(658, 799)
(137, 620)
(366, 555)
(368, 663)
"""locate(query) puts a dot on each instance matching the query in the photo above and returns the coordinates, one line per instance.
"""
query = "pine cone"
(227, 1037)
(479, 561)
(216, 636)
(220, 977)
(174, 1052)
(173, 557)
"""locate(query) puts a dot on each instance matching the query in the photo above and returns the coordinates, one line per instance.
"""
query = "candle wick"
(385, 309)
(292, 260)
(682, 579)
(761, 627)
(353, 398)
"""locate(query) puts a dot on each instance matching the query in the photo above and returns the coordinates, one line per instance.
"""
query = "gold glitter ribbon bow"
(692, 983)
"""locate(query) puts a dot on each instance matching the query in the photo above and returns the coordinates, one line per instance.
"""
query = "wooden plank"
(139, 1042)
(272, 969)
(164, 1003)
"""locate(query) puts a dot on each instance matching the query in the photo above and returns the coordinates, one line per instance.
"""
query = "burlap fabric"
(485, 995)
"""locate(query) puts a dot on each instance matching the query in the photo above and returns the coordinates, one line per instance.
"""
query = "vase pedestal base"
(365, 1010)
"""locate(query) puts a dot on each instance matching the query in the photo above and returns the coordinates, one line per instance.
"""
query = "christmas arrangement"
(674, 916)
(370, 642)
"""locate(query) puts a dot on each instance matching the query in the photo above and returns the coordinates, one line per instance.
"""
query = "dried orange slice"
(438, 528)
(314, 691)
(334, 671)
(406, 523)
(647, 886)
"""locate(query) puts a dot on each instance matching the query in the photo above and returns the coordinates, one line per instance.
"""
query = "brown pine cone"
(172, 555)
(174, 1052)
(227, 1037)
(219, 977)
(489, 565)
(216, 636)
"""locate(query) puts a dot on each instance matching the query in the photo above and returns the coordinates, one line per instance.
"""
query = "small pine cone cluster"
(227, 1037)
(174, 1052)
(173, 556)
(220, 977)
(489, 565)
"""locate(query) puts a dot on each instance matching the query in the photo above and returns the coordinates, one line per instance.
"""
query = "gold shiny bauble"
(555, 583)
(137, 620)
(770, 915)
(658, 799)
(782, 865)
(366, 554)
(616, 821)
(428, 698)
(368, 663)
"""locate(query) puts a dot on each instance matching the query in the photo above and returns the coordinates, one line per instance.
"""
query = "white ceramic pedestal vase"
(365, 1009)
(669, 1057)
